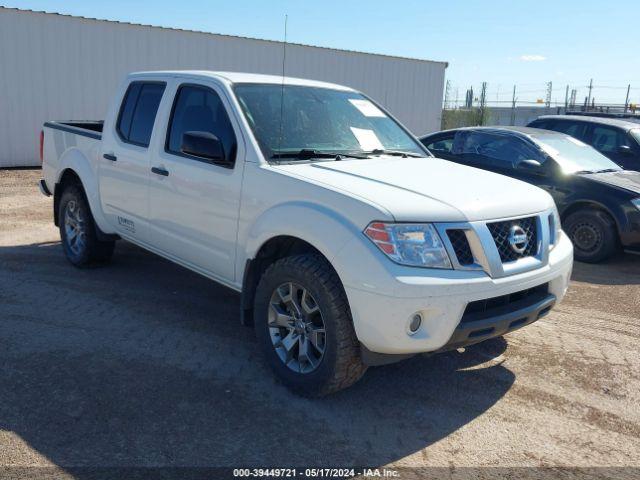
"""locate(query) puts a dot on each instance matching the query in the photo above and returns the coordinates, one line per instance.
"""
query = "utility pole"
(513, 107)
(549, 91)
(574, 96)
(589, 97)
(483, 101)
(566, 99)
(447, 91)
(626, 102)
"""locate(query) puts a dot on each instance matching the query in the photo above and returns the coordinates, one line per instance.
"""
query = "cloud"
(533, 58)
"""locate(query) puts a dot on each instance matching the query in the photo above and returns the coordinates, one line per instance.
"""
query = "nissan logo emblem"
(518, 239)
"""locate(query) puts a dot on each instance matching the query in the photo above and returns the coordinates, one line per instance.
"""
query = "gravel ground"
(143, 363)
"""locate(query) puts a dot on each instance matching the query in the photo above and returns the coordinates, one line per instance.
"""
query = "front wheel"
(593, 235)
(78, 232)
(304, 327)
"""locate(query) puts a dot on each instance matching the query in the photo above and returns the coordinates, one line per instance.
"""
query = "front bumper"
(501, 322)
(383, 302)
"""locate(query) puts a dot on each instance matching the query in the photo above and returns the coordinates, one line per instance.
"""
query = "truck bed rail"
(87, 128)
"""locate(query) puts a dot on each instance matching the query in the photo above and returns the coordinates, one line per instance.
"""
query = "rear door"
(124, 160)
(194, 203)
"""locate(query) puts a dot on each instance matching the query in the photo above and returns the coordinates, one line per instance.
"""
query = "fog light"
(415, 323)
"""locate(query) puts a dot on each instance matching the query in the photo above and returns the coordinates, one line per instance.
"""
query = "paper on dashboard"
(367, 139)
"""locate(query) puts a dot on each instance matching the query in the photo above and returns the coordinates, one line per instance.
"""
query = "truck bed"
(87, 128)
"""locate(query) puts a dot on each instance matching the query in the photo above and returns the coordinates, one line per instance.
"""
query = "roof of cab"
(239, 77)
(506, 129)
(614, 122)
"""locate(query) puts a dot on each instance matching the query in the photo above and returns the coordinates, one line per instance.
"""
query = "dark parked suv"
(617, 139)
(599, 202)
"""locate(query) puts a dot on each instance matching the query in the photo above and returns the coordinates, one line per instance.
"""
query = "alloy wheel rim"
(296, 328)
(75, 227)
(586, 237)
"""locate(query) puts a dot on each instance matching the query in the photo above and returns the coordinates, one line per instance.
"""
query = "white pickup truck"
(350, 244)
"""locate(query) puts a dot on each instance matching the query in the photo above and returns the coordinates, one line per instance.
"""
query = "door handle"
(110, 156)
(160, 171)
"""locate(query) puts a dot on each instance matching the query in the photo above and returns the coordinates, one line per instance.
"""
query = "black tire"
(341, 364)
(593, 233)
(91, 251)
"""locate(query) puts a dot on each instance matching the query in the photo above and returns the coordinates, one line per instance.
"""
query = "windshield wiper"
(606, 170)
(308, 154)
(395, 153)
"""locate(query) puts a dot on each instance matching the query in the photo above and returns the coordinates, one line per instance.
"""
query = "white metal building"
(59, 67)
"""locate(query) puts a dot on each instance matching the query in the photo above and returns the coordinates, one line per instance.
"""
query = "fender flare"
(76, 161)
(323, 228)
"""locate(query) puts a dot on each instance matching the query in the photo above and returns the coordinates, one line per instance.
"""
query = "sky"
(526, 43)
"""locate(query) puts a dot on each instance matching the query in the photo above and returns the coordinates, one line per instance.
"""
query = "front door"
(503, 153)
(194, 204)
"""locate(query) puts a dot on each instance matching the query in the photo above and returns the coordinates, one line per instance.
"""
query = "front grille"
(461, 246)
(492, 307)
(500, 232)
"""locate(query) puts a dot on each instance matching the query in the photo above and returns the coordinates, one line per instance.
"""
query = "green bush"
(465, 118)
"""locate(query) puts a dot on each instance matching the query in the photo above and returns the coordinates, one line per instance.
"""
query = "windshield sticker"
(576, 141)
(367, 108)
(367, 139)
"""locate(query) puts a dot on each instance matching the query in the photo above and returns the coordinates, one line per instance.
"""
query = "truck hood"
(626, 179)
(428, 189)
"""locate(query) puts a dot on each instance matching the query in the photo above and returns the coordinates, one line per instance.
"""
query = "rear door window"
(573, 129)
(496, 150)
(138, 112)
(607, 139)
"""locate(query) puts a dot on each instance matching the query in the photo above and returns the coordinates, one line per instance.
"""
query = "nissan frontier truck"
(350, 244)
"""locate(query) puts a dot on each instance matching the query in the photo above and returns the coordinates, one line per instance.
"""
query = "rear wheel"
(304, 327)
(593, 235)
(78, 232)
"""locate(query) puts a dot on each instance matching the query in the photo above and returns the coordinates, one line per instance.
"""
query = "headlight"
(412, 244)
(636, 202)
(554, 227)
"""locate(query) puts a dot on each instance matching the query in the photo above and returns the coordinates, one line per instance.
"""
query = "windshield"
(319, 121)
(574, 155)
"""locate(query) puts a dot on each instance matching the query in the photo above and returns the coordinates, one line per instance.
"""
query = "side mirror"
(624, 150)
(205, 145)
(533, 166)
(529, 164)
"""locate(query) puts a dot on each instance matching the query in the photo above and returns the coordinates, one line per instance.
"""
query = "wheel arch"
(290, 228)
(590, 205)
(272, 250)
(70, 176)
(81, 166)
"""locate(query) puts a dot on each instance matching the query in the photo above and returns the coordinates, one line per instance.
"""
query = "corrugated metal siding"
(55, 67)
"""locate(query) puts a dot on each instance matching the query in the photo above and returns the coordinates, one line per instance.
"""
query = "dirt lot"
(143, 363)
